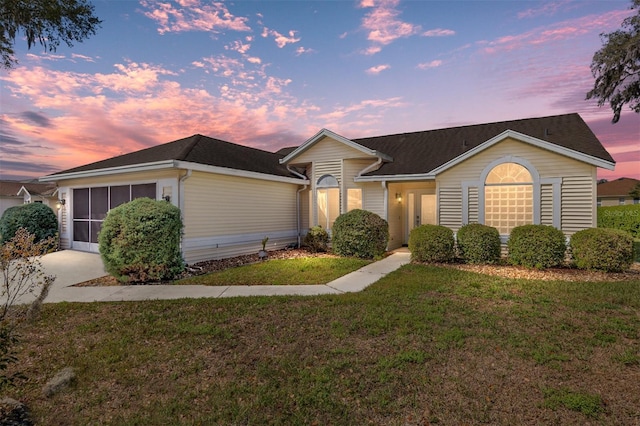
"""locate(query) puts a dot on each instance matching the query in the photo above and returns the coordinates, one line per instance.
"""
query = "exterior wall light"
(398, 197)
(61, 203)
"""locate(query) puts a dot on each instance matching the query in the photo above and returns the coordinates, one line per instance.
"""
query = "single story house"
(505, 174)
(15, 193)
(617, 192)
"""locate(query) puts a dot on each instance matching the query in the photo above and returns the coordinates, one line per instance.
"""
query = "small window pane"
(95, 230)
(146, 190)
(99, 202)
(81, 231)
(120, 195)
(327, 181)
(81, 203)
(354, 199)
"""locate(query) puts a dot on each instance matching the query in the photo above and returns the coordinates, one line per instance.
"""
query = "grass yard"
(425, 345)
(304, 270)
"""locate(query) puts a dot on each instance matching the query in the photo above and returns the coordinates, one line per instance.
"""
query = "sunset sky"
(270, 74)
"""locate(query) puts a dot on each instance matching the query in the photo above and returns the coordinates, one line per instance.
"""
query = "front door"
(421, 210)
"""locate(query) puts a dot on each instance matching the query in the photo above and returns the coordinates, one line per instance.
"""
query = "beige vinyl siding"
(546, 205)
(450, 203)
(351, 170)
(305, 200)
(577, 204)
(63, 217)
(227, 215)
(333, 168)
(615, 201)
(547, 163)
(577, 185)
(327, 149)
(473, 205)
(373, 198)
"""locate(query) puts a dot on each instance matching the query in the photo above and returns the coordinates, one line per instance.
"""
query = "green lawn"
(306, 270)
(425, 345)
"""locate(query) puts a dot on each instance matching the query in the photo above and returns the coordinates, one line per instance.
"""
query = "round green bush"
(36, 218)
(431, 243)
(140, 241)
(316, 239)
(536, 246)
(479, 243)
(360, 233)
(604, 249)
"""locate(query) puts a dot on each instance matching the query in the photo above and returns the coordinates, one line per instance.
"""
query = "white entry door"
(421, 210)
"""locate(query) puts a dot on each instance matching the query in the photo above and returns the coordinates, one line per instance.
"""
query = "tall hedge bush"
(140, 241)
(360, 233)
(479, 243)
(536, 246)
(625, 218)
(36, 218)
(431, 243)
(605, 249)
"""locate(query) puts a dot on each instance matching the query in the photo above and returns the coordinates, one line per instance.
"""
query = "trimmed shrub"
(605, 249)
(36, 218)
(140, 241)
(431, 243)
(625, 218)
(536, 246)
(316, 239)
(479, 243)
(360, 233)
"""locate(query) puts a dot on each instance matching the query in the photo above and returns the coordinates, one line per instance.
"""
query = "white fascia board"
(396, 178)
(328, 133)
(22, 188)
(239, 173)
(158, 165)
(598, 162)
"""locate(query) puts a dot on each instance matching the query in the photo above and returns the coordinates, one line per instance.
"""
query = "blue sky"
(270, 74)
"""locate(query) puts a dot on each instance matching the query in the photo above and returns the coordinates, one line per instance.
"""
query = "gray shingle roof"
(10, 188)
(412, 153)
(421, 152)
(197, 149)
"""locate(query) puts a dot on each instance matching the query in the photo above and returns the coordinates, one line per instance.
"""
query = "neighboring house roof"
(11, 188)
(194, 149)
(620, 187)
(424, 152)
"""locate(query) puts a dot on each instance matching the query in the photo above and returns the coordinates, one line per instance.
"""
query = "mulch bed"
(504, 271)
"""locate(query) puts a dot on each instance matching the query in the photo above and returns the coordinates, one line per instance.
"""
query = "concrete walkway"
(72, 267)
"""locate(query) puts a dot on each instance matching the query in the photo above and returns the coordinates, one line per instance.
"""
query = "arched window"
(508, 197)
(328, 201)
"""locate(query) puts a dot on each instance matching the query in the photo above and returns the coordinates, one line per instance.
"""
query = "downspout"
(298, 225)
(186, 176)
(386, 199)
(371, 167)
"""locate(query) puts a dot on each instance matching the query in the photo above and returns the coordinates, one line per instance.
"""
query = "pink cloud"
(383, 25)
(281, 40)
(561, 31)
(438, 32)
(192, 15)
(378, 69)
(428, 65)
(547, 9)
(83, 125)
